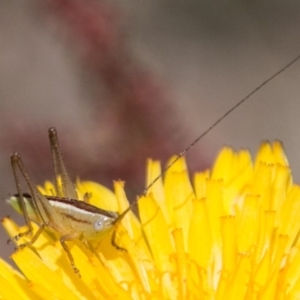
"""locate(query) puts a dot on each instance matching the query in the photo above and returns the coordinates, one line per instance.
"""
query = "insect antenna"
(183, 153)
(65, 188)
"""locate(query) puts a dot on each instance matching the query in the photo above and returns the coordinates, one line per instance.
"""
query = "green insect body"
(70, 218)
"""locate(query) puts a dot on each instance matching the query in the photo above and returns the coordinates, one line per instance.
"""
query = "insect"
(73, 219)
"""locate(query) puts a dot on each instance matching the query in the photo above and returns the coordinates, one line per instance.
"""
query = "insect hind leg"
(29, 243)
(20, 235)
(15, 162)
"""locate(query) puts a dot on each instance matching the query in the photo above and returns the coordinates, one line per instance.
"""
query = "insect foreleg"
(63, 240)
(114, 238)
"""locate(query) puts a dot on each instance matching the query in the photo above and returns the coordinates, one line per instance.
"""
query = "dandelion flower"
(231, 233)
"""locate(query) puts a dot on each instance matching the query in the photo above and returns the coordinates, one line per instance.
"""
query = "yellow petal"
(101, 196)
(179, 195)
(234, 235)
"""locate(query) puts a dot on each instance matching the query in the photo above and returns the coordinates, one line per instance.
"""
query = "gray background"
(209, 54)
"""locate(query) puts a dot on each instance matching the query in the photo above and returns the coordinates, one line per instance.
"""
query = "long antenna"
(228, 112)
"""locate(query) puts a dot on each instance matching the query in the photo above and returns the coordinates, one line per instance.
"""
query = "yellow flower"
(232, 234)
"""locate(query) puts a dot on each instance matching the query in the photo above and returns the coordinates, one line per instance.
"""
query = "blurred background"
(126, 80)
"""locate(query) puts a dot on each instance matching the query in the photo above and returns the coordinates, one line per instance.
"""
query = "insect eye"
(98, 225)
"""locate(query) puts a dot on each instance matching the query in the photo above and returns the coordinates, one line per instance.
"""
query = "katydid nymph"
(73, 219)
(69, 217)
